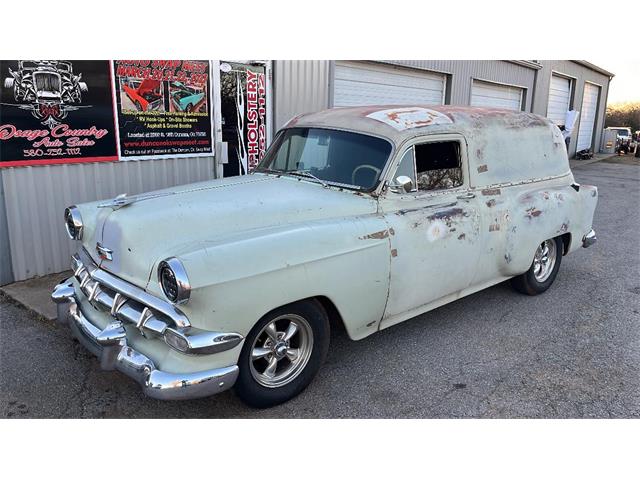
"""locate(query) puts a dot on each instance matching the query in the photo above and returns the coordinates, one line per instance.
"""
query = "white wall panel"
(486, 94)
(559, 99)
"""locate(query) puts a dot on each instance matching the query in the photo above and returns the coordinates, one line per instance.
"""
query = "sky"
(625, 86)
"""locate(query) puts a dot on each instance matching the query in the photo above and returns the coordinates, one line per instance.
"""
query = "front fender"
(237, 280)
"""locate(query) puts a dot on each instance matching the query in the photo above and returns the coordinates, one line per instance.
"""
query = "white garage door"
(559, 99)
(588, 115)
(486, 94)
(363, 84)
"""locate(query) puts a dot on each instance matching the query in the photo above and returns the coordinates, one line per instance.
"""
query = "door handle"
(467, 196)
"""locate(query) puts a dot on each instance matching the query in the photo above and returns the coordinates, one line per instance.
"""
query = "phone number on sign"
(50, 152)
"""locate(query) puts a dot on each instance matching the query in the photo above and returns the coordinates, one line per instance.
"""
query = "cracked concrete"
(572, 352)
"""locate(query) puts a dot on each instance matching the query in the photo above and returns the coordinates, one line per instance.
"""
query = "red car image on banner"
(146, 96)
(56, 111)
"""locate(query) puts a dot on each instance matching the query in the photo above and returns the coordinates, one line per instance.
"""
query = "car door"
(435, 228)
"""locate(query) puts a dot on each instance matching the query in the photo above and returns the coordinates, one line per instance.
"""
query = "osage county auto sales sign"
(56, 111)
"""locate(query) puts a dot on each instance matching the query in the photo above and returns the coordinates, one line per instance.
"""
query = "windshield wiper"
(308, 174)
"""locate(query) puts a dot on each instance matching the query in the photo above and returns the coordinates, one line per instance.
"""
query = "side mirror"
(403, 184)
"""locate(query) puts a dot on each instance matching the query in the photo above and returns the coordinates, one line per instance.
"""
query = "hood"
(175, 221)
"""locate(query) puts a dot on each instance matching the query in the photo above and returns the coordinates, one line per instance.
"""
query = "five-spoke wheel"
(282, 353)
(543, 270)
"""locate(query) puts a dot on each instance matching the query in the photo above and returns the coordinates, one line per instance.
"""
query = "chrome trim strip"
(110, 346)
(205, 342)
(72, 214)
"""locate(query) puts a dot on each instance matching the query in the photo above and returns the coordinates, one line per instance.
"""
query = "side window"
(438, 165)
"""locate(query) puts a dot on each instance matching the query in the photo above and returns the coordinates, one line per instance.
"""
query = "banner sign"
(243, 99)
(163, 107)
(56, 111)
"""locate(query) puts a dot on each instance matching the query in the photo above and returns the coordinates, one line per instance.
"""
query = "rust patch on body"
(392, 231)
(394, 253)
(482, 168)
(487, 192)
(462, 236)
(491, 203)
(376, 235)
(533, 212)
(495, 227)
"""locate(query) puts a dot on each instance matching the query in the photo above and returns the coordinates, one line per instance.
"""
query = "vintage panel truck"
(367, 215)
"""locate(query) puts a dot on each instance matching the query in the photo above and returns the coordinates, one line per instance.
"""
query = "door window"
(432, 166)
(438, 165)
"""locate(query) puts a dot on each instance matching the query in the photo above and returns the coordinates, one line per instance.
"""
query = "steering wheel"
(359, 167)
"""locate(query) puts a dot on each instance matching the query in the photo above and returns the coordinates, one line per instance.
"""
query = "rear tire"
(543, 270)
(278, 361)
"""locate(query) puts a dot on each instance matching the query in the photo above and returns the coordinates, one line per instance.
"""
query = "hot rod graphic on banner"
(244, 112)
(56, 111)
(163, 107)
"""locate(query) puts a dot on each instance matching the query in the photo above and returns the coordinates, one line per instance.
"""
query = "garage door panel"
(588, 116)
(486, 94)
(559, 99)
(370, 85)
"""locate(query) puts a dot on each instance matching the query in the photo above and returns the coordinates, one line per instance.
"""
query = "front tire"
(283, 353)
(543, 270)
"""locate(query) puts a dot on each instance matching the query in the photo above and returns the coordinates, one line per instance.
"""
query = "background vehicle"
(623, 139)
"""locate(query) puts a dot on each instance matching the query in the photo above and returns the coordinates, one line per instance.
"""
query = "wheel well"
(335, 319)
(566, 243)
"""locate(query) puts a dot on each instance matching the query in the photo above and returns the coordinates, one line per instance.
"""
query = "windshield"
(328, 156)
(623, 132)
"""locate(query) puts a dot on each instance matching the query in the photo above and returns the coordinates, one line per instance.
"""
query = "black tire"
(257, 395)
(527, 282)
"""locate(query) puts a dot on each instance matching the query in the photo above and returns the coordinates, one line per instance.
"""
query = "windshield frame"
(260, 168)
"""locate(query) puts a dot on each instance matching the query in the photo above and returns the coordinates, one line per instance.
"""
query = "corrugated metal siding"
(300, 86)
(582, 74)
(36, 198)
(6, 274)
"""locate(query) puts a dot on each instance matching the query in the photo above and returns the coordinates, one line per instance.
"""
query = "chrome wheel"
(544, 260)
(281, 350)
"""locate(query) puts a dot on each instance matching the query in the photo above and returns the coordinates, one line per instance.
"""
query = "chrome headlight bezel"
(73, 222)
(172, 269)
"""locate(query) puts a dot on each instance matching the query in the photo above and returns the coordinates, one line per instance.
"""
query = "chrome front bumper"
(589, 239)
(110, 346)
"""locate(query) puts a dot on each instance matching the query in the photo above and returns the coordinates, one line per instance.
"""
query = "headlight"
(73, 222)
(173, 280)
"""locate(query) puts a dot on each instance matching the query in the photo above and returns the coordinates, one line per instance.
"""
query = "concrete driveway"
(571, 352)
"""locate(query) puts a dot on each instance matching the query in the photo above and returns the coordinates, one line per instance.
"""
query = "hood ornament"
(120, 201)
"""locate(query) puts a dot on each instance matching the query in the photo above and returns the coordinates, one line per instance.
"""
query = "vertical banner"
(163, 107)
(56, 111)
(243, 97)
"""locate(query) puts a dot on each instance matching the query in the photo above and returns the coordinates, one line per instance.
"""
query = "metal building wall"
(300, 86)
(36, 198)
(6, 274)
(581, 74)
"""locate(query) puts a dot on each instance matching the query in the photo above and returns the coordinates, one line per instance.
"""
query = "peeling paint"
(533, 212)
(394, 252)
(491, 203)
(495, 227)
(376, 235)
(392, 231)
(482, 168)
(462, 236)
(507, 257)
(410, 117)
(436, 231)
(487, 192)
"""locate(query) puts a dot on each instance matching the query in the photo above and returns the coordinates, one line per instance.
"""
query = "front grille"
(49, 82)
(120, 306)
